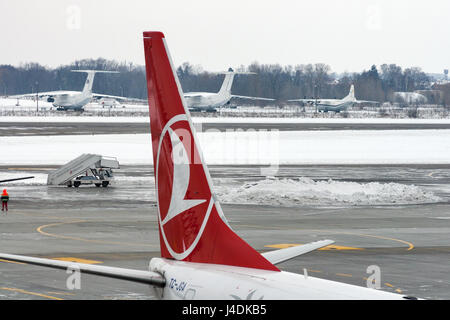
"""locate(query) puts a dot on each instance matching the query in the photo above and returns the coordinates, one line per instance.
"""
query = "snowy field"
(247, 120)
(71, 118)
(249, 147)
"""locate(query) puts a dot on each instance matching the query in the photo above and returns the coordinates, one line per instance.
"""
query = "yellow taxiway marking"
(31, 293)
(9, 261)
(409, 244)
(330, 247)
(79, 260)
(40, 228)
(61, 293)
(388, 284)
(398, 290)
(344, 275)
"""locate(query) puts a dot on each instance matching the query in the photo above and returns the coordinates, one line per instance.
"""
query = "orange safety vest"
(5, 195)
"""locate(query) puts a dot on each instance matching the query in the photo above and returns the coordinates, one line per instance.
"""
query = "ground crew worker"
(5, 198)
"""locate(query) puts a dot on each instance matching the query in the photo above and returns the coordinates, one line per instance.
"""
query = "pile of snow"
(305, 191)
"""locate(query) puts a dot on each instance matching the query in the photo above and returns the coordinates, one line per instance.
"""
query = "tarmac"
(116, 226)
(85, 128)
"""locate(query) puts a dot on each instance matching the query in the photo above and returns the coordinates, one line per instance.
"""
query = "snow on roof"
(411, 97)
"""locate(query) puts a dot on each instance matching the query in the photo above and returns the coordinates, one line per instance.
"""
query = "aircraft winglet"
(282, 255)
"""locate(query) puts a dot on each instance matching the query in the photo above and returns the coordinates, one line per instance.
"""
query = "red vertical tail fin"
(191, 224)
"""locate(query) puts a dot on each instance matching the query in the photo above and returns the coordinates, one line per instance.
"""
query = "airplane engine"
(50, 99)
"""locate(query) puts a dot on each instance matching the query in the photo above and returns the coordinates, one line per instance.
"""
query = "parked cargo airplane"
(201, 256)
(209, 101)
(336, 105)
(73, 100)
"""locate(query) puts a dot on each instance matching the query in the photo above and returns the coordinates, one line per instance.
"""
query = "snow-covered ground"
(270, 191)
(246, 147)
(23, 104)
(317, 120)
(71, 118)
(305, 191)
(248, 120)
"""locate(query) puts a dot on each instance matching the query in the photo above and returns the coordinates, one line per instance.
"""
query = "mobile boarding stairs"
(86, 169)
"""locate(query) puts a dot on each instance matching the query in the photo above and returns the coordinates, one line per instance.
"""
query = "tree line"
(271, 80)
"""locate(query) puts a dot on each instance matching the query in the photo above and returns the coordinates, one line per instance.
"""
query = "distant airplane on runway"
(73, 100)
(336, 105)
(201, 256)
(209, 101)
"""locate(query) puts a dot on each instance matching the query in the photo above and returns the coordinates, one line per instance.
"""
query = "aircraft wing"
(188, 95)
(319, 101)
(309, 101)
(139, 276)
(366, 101)
(15, 179)
(251, 98)
(43, 94)
(100, 95)
(303, 100)
(282, 255)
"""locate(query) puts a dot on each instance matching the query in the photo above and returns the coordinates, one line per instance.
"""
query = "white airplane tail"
(351, 94)
(227, 83)
(228, 80)
(90, 78)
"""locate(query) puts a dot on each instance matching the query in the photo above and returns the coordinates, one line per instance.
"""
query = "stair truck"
(87, 169)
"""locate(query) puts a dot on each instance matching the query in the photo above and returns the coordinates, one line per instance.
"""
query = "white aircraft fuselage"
(209, 101)
(204, 281)
(77, 100)
(336, 105)
(333, 105)
(205, 100)
(71, 101)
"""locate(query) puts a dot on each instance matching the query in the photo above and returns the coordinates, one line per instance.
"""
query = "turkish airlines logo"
(180, 174)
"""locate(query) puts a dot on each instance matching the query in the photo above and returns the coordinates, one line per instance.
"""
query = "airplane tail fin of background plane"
(192, 226)
(227, 83)
(90, 78)
(228, 80)
(351, 94)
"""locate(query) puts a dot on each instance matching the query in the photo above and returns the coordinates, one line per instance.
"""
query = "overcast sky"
(349, 35)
